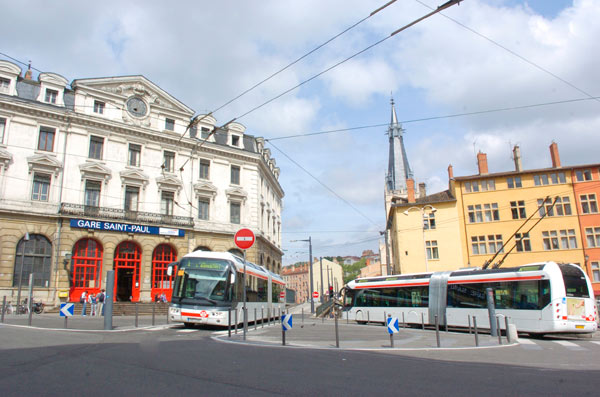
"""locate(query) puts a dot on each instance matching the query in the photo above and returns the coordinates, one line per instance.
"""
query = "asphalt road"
(175, 361)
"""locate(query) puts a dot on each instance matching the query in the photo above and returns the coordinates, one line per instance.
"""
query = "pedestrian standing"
(92, 302)
(83, 299)
(100, 303)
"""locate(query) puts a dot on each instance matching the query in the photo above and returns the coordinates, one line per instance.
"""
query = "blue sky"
(206, 53)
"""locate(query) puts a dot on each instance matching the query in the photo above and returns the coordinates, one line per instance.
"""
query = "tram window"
(393, 297)
(575, 282)
(523, 295)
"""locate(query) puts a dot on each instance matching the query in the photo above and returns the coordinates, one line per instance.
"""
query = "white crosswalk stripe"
(181, 331)
(526, 341)
(569, 345)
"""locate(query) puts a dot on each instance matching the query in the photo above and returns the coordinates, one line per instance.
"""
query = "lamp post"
(423, 219)
(310, 286)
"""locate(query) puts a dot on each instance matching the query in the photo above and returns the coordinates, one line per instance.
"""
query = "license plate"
(579, 326)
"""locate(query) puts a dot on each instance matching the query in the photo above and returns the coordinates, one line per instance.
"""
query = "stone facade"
(115, 173)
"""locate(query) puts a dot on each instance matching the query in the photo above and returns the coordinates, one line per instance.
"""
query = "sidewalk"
(315, 333)
(87, 323)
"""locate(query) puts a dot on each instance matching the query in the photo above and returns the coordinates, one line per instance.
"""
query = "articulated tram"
(540, 298)
(209, 286)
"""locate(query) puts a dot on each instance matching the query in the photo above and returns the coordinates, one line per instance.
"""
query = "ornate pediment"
(5, 158)
(205, 189)
(138, 86)
(44, 163)
(236, 194)
(134, 177)
(93, 170)
(169, 182)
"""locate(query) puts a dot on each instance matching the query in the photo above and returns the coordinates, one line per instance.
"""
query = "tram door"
(128, 258)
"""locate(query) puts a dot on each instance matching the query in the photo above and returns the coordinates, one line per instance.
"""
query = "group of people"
(160, 298)
(96, 303)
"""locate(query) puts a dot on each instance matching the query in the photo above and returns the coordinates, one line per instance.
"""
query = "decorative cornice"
(44, 163)
(236, 194)
(134, 177)
(169, 182)
(205, 189)
(95, 170)
(5, 158)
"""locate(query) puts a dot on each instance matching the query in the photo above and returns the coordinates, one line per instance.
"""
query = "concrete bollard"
(499, 330)
(423, 321)
(153, 313)
(235, 325)
(229, 322)
(368, 317)
(136, 314)
(3, 307)
(469, 324)
(512, 333)
(437, 331)
(385, 318)
(475, 331)
(403, 322)
(506, 329)
(255, 320)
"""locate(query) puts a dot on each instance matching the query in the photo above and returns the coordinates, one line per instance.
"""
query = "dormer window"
(204, 132)
(4, 85)
(169, 124)
(51, 95)
(99, 107)
(235, 140)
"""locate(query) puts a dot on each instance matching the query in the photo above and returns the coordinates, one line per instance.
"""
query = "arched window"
(161, 282)
(33, 256)
(87, 266)
(202, 248)
(128, 259)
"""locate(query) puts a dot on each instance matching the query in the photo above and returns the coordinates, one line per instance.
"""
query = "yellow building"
(506, 218)
(514, 214)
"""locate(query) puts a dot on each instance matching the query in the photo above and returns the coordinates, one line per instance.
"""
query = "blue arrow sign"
(286, 322)
(66, 309)
(392, 323)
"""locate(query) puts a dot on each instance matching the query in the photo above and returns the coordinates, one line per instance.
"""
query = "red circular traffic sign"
(316, 294)
(282, 294)
(244, 239)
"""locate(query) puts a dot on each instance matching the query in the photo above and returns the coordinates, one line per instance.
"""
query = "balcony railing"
(116, 214)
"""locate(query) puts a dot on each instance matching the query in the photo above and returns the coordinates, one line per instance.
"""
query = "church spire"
(398, 168)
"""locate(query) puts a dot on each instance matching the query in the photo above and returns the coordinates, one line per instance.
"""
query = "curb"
(148, 328)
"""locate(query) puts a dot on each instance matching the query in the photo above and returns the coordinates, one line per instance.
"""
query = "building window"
(592, 235)
(203, 209)
(92, 193)
(583, 175)
(478, 245)
(547, 179)
(235, 175)
(588, 203)
(46, 139)
(132, 194)
(491, 212)
(166, 203)
(135, 152)
(475, 213)
(96, 147)
(559, 239)
(204, 132)
(204, 169)
(33, 256)
(428, 221)
(235, 210)
(4, 84)
(169, 124)
(51, 95)
(432, 249)
(169, 161)
(41, 187)
(99, 107)
(235, 140)
(596, 271)
(514, 182)
(2, 129)
(518, 209)
(491, 243)
(476, 186)
(523, 243)
(561, 208)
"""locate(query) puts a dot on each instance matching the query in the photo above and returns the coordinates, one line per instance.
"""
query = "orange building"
(586, 188)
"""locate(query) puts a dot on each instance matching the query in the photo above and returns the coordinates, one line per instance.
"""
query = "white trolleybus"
(209, 285)
(539, 298)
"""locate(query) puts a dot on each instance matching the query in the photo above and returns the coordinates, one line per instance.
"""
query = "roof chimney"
(450, 172)
(517, 158)
(28, 73)
(554, 155)
(410, 185)
(482, 163)
(422, 190)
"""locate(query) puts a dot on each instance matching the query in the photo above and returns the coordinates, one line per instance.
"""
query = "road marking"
(181, 331)
(526, 342)
(596, 342)
(569, 345)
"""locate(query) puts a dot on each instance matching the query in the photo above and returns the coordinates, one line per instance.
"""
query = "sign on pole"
(392, 325)
(282, 295)
(66, 309)
(286, 322)
(316, 294)
(244, 239)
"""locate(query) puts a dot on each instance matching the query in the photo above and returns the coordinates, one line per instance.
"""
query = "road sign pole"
(337, 333)
(66, 321)
(29, 305)
(245, 297)
(108, 300)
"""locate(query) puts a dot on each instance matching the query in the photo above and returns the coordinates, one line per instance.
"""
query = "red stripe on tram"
(483, 280)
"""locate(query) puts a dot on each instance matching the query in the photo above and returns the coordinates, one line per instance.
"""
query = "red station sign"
(244, 239)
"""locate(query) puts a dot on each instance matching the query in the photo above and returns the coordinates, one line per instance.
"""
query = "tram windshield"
(202, 279)
(575, 282)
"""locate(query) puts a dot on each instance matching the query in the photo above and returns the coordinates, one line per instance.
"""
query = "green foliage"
(353, 271)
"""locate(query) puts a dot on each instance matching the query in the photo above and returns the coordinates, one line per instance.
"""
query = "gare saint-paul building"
(112, 174)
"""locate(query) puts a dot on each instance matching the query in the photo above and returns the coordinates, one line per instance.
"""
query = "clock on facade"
(136, 107)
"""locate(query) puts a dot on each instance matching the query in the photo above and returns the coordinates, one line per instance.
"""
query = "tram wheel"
(188, 325)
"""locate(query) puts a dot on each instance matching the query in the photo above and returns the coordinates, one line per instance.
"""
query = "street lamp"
(312, 303)
(422, 209)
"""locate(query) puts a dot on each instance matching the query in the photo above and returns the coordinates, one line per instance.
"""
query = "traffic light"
(331, 291)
